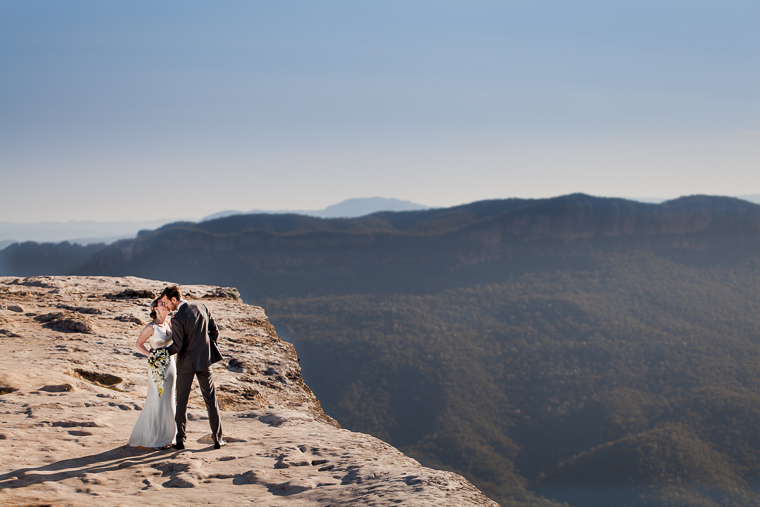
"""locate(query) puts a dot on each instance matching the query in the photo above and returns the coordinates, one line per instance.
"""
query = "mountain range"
(578, 350)
(89, 232)
(350, 208)
(269, 255)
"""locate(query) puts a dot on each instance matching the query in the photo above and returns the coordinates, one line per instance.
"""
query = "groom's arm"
(178, 336)
(213, 330)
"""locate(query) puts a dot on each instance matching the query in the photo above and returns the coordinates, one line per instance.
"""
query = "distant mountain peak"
(350, 208)
(362, 206)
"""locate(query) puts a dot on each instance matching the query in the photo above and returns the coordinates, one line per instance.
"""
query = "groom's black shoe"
(219, 444)
(179, 446)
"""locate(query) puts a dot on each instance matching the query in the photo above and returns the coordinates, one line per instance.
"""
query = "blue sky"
(136, 110)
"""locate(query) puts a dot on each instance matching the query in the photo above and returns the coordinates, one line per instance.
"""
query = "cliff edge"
(72, 385)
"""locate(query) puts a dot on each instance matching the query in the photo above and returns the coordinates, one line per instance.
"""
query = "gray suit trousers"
(206, 382)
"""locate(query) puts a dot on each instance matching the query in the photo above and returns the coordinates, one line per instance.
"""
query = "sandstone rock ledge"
(72, 385)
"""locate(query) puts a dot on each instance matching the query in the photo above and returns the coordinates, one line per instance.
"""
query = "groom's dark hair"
(171, 292)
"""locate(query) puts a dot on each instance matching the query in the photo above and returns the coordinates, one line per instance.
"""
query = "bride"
(155, 428)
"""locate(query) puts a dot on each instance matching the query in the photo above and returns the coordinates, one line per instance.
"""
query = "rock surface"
(72, 385)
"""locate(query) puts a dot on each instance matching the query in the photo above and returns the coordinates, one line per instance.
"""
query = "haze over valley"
(89, 232)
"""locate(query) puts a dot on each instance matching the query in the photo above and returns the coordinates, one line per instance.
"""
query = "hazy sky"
(132, 110)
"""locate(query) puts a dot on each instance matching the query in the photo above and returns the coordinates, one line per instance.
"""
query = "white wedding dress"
(155, 427)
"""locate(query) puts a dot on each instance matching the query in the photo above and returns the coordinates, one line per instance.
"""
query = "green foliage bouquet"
(158, 362)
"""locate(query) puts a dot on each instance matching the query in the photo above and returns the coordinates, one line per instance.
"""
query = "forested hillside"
(576, 349)
(635, 381)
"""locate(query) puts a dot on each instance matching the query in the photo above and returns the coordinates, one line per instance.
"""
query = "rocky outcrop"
(72, 385)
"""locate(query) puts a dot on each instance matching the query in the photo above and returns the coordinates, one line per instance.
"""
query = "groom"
(194, 335)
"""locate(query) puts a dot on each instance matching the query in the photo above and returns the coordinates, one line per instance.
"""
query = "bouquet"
(158, 362)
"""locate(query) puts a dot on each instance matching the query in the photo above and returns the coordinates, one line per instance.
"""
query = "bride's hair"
(153, 306)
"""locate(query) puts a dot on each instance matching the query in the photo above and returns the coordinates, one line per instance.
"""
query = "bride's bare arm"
(146, 333)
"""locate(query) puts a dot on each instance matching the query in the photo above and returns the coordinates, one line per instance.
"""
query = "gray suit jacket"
(194, 335)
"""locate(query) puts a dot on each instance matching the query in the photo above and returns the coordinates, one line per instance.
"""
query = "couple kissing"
(179, 347)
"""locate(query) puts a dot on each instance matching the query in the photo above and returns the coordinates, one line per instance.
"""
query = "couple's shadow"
(119, 458)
